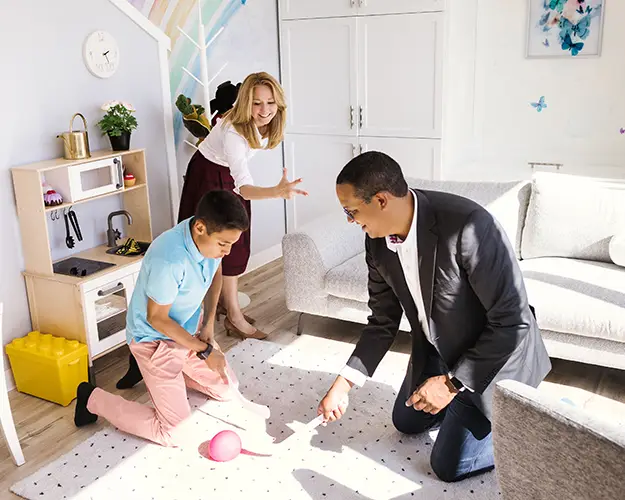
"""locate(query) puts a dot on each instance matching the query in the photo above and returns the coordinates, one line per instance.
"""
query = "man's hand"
(433, 395)
(334, 405)
(216, 361)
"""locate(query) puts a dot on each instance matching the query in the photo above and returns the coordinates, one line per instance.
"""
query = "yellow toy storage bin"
(48, 367)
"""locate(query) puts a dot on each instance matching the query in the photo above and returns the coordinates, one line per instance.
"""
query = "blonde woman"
(256, 122)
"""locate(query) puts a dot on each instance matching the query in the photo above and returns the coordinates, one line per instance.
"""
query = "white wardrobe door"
(318, 160)
(320, 75)
(368, 7)
(418, 158)
(400, 75)
(302, 9)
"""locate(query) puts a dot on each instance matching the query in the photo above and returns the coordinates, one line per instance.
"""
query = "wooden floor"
(47, 430)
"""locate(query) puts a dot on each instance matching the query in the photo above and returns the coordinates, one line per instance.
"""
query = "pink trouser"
(167, 369)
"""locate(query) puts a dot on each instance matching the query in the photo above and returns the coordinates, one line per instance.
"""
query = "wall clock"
(101, 54)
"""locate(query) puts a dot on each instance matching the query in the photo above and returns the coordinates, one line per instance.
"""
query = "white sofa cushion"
(577, 296)
(571, 296)
(506, 201)
(349, 280)
(617, 249)
(572, 216)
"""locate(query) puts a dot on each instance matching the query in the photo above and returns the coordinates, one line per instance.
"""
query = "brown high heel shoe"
(221, 311)
(234, 331)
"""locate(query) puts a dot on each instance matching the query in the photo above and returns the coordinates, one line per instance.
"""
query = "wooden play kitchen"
(85, 296)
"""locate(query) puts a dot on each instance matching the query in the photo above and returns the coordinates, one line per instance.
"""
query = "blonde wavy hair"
(240, 116)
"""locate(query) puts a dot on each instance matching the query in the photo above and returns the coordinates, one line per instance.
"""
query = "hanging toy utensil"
(69, 240)
(73, 218)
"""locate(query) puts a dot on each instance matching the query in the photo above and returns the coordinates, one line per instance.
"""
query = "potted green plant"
(193, 118)
(118, 123)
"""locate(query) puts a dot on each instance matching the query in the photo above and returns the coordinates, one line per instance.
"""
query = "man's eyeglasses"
(349, 213)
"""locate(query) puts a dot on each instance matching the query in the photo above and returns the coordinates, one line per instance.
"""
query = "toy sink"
(143, 247)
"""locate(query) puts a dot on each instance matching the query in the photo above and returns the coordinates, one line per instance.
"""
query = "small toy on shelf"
(50, 197)
(129, 180)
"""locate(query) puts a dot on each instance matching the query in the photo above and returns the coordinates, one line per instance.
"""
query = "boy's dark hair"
(371, 173)
(222, 210)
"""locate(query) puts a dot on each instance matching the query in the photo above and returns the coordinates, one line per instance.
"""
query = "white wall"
(248, 44)
(44, 82)
(491, 131)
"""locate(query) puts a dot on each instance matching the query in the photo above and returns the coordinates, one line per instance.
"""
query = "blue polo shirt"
(174, 272)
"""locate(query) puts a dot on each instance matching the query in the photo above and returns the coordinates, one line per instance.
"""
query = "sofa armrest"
(309, 253)
(545, 448)
(617, 249)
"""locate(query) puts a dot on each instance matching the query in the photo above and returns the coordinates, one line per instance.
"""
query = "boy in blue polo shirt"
(164, 315)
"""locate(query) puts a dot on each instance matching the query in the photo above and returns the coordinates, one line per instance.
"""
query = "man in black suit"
(447, 263)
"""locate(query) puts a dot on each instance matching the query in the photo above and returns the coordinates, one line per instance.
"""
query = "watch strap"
(457, 384)
(206, 352)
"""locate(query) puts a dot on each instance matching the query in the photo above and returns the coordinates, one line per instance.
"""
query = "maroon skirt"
(202, 176)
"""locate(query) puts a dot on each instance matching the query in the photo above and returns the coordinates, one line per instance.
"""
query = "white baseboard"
(264, 257)
(8, 376)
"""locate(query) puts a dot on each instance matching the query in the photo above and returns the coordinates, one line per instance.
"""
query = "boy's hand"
(216, 361)
(206, 334)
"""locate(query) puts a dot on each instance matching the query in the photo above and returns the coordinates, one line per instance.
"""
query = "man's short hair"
(222, 210)
(371, 173)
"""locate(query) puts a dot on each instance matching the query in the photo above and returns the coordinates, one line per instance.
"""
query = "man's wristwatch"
(206, 352)
(457, 384)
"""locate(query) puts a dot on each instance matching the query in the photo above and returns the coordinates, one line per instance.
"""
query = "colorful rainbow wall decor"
(168, 15)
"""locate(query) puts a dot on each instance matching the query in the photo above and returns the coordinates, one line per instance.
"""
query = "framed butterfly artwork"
(565, 28)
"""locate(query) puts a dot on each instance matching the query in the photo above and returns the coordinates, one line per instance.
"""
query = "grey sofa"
(568, 235)
(546, 449)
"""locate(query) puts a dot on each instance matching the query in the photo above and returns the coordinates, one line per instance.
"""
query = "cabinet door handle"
(359, 116)
(117, 288)
(352, 2)
(351, 117)
(362, 3)
(354, 149)
(361, 149)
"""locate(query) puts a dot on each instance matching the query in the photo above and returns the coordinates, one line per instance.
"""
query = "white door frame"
(164, 46)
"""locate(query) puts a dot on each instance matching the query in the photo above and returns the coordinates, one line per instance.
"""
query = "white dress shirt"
(407, 253)
(226, 147)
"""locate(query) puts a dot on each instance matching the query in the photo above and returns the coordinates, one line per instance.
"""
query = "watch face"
(456, 383)
(101, 54)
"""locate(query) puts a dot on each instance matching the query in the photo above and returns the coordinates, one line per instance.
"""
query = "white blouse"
(226, 147)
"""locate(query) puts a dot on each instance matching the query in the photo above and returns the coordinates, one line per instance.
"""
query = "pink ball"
(225, 446)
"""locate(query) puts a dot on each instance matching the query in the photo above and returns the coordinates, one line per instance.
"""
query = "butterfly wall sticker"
(622, 131)
(540, 105)
(568, 44)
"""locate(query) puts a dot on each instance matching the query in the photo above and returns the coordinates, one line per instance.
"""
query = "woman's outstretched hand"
(287, 189)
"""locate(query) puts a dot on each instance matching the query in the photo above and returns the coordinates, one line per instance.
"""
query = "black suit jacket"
(475, 301)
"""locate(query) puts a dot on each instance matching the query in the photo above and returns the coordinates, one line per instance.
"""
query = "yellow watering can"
(75, 143)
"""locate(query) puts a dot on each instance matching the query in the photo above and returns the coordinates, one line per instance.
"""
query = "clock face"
(101, 54)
